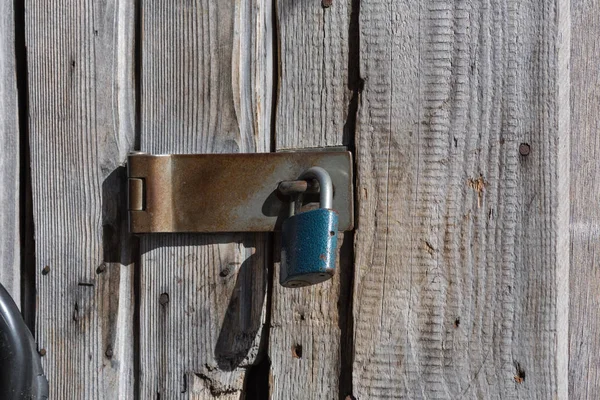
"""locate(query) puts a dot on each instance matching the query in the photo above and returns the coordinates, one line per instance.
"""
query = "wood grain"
(312, 109)
(458, 288)
(313, 96)
(206, 88)
(10, 242)
(584, 340)
(81, 117)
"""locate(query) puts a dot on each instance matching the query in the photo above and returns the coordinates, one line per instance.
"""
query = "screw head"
(42, 352)
(524, 149)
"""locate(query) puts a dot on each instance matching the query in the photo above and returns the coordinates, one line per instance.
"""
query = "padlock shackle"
(325, 185)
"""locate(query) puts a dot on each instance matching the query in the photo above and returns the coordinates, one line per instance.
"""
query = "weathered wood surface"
(81, 117)
(205, 88)
(312, 110)
(584, 346)
(10, 241)
(459, 274)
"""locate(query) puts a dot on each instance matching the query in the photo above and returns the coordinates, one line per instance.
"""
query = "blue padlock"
(309, 239)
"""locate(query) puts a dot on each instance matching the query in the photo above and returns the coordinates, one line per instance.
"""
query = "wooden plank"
(312, 109)
(206, 88)
(584, 328)
(458, 285)
(10, 243)
(80, 71)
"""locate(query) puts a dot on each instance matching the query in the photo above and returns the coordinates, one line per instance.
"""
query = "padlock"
(309, 239)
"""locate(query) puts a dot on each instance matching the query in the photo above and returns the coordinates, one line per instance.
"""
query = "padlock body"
(308, 248)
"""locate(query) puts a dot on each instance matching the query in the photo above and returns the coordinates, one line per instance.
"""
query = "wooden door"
(472, 270)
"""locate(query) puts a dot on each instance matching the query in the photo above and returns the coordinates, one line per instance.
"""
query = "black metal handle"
(21, 373)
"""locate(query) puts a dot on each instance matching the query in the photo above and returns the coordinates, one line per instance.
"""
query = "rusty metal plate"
(227, 192)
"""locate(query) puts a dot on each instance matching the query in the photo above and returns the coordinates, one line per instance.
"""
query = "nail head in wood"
(225, 271)
(524, 149)
(164, 299)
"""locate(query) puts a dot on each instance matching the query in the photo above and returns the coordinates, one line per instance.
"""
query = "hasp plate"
(227, 192)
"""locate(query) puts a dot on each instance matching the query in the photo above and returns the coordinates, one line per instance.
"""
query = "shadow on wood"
(115, 233)
(242, 320)
(241, 323)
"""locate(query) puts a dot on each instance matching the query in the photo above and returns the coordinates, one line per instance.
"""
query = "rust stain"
(478, 185)
(213, 182)
(520, 376)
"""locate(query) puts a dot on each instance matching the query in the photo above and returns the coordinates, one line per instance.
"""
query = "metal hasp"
(229, 192)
